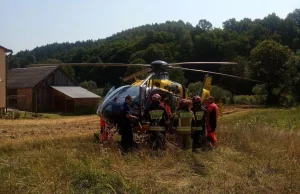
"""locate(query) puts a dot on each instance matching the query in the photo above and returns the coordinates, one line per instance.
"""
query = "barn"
(47, 89)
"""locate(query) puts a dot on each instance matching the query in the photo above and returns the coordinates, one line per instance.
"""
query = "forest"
(265, 49)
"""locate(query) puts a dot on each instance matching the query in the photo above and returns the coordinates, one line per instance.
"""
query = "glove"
(212, 130)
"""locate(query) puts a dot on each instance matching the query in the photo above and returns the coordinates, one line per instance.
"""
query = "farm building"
(3, 56)
(47, 89)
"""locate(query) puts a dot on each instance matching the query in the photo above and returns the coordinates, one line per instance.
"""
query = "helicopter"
(110, 110)
(157, 82)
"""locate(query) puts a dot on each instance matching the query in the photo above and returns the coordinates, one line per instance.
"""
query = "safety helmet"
(196, 99)
(156, 97)
(183, 103)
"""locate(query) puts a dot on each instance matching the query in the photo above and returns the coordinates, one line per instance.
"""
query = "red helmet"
(156, 97)
(183, 103)
(196, 99)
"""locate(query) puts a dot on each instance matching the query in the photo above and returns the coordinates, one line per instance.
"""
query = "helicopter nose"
(107, 110)
(112, 111)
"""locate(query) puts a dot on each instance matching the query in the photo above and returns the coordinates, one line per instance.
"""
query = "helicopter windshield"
(118, 96)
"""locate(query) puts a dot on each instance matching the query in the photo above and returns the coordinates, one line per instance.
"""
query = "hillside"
(245, 41)
(258, 153)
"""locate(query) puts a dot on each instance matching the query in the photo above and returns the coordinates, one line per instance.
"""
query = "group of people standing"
(192, 121)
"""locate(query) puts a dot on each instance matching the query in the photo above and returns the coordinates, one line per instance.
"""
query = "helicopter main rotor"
(156, 67)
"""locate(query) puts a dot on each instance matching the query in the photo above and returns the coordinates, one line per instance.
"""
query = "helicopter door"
(143, 92)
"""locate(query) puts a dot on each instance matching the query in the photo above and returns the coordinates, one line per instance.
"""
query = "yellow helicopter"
(141, 90)
(157, 82)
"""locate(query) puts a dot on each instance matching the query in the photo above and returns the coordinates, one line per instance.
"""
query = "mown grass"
(259, 152)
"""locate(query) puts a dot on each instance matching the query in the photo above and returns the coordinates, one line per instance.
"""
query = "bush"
(14, 114)
(249, 99)
(287, 101)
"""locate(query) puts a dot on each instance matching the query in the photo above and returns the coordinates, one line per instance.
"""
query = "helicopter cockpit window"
(118, 96)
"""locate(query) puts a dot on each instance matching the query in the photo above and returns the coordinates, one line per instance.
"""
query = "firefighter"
(103, 132)
(165, 103)
(183, 123)
(198, 125)
(159, 119)
(212, 117)
(126, 128)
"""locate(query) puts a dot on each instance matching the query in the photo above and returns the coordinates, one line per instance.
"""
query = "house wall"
(2, 79)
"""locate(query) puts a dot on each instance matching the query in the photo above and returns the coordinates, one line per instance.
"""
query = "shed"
(73, 99)
(31, 89)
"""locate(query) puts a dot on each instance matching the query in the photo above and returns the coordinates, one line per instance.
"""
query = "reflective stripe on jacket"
(185, 119)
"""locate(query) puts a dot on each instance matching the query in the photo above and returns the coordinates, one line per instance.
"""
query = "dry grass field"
(259, 152)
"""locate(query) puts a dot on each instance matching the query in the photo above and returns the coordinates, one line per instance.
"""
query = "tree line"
(266, 49)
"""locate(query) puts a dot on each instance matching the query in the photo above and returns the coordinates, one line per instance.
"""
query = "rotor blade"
(143, 71)
(211, 72)
(91, 64)
(193, 63)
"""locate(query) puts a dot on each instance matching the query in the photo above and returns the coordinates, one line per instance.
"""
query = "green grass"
(259, 152)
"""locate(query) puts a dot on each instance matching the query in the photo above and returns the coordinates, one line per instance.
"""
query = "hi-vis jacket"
(183, 120)
(158, 117)
(200, 118)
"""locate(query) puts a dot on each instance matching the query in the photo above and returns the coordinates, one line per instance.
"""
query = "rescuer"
(212, 117)
(126, 128)
(165, 103)
(198, 125)
(183, 123)
(103, 132)
(159, 119)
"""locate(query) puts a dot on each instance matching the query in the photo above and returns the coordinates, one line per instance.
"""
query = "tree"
(269, 65)
(295, 16)
(194, 88)
(177, 76)
(294, 74)
(204, 25)
(235, 86)
(92, 87)
(231, 24)
(133, 69)
(175, 41)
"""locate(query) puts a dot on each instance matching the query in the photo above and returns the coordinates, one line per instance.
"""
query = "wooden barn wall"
(61, 102)
(58, 78)
(86, 104)
(44, 91)
(24, 102)
(44, 99)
